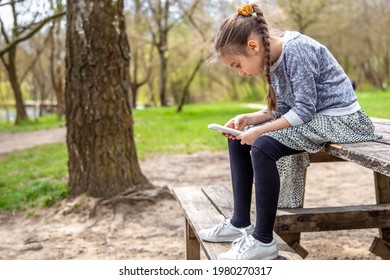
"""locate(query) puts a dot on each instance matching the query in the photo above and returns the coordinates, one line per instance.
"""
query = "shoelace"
(221, 225)
(241, 244)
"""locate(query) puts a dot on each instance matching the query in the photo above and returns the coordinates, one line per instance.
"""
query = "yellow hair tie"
(245, 10)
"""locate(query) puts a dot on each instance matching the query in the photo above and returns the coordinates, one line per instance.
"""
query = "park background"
(174, 93)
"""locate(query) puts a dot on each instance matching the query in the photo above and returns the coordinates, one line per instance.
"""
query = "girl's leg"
(242, 181)
(266, 151)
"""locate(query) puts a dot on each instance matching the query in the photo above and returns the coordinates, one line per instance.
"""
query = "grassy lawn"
(163, 131)
(33, 178)
(45, 122)
(375, 103)
(37, 177)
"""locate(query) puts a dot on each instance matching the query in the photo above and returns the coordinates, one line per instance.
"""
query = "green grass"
(45, 122)
(375, 103)
(37, 177)
(33, 177)
(163, 131)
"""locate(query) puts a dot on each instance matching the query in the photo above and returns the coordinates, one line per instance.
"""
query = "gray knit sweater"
(308, 80)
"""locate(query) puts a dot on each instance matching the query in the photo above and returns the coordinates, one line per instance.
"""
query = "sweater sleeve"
(302, 68)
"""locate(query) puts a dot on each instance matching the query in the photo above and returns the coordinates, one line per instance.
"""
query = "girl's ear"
(253, 46)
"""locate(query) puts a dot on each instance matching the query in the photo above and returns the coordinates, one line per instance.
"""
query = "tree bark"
(21, 113)
(186, 89)
(103, 160)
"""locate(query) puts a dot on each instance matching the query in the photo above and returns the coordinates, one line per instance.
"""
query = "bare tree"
(305, 13)
(56, 59)
(8, 54)
(142, 51)
(164, 16)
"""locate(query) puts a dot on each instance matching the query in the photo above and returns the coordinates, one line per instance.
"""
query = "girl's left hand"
(249, 136)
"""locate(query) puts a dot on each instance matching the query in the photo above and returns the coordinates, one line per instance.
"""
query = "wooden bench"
(202, 208)
(374, 155)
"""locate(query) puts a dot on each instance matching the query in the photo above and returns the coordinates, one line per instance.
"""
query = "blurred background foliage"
(171, 46)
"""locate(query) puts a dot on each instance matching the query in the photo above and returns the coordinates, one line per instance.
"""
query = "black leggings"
(259, 162)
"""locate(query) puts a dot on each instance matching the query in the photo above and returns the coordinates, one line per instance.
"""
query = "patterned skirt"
(312, 137)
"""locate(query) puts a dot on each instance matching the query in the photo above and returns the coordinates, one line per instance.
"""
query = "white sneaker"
(223, 232)
(249, 248)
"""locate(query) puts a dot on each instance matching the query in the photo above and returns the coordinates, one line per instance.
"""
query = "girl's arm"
(249, 136)
(241, 121)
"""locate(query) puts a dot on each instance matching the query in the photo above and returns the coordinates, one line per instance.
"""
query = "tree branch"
(3, 32)
(28, 35)
(9, 3)
(36, 57)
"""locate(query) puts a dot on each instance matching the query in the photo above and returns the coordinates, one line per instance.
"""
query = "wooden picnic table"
(374, 155)
(202, 205)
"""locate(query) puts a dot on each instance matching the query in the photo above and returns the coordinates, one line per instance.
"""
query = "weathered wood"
(380, 248)
(323, 157)
(380, 121)
(293, 240)
(223, 200)
(375, 156)
(200, 213)
(332, 218)
(192, 243)
(297, 247)
(382, 192)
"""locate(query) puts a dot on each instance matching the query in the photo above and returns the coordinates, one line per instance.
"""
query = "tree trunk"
(163, 76)
(186, 89)
(21, 113)
(102, 157)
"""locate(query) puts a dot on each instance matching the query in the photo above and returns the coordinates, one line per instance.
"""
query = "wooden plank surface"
(375, 156)
(200, 213)
(381, 248)
(380, 121)
(382, 127)
(223, 199)
(332, 218)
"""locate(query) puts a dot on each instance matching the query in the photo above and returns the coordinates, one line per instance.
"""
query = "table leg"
(381, 245)
(192, 244)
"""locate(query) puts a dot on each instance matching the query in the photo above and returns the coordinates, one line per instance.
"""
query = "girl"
(310, 102)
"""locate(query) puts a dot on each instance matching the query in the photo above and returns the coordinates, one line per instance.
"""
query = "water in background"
(9, 115)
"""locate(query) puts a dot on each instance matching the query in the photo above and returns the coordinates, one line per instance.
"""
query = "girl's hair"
(233, 36)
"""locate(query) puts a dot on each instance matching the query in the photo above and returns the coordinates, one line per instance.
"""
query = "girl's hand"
(239, 122)
(249, 136)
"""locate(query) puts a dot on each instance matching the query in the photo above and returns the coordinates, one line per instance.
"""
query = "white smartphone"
(224, 129)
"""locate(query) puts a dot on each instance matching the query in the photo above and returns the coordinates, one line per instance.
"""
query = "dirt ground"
(147, 232)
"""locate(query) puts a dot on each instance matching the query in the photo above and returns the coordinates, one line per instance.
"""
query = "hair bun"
(245, 10)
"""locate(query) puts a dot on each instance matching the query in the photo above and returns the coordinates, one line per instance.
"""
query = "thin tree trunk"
(163, 76)
(186, 90)
(21, 113)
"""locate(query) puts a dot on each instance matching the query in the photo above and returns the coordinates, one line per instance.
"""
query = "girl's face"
(250, 64)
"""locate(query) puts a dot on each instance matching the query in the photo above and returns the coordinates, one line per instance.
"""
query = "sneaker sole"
(219, 239)
(270, 256)
(224, 239)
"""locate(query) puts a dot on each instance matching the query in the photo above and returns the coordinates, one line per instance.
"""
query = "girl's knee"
(264, 146)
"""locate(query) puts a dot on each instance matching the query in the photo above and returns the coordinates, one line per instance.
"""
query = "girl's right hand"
(239, 122)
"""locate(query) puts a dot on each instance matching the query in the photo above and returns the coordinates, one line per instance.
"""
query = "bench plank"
(332, 218)
(200, 213)
(223, 199)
